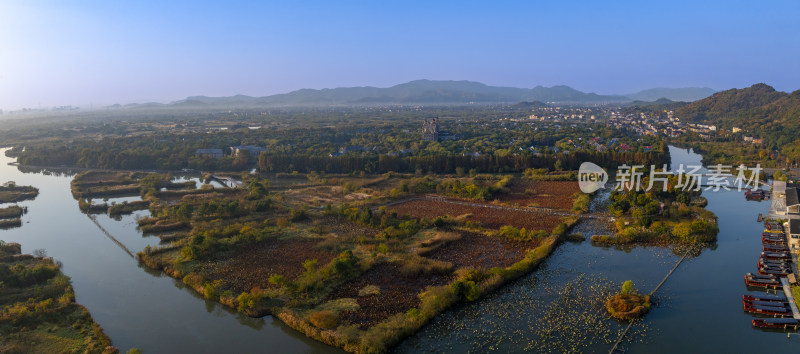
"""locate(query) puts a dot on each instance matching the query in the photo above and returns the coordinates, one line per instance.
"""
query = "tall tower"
(430, 130)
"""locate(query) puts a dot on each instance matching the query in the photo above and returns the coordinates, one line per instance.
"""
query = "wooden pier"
(787, 290)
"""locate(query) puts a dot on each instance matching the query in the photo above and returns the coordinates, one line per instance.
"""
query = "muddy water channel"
(559, 307)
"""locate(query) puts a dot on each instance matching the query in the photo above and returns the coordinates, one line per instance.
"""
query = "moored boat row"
(774, 263)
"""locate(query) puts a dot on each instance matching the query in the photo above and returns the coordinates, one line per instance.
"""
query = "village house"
(253, 150)
(212, 153)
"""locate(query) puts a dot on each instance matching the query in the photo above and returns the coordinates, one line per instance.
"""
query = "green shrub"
(324, 319)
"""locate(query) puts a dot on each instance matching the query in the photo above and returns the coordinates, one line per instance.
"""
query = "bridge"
(226, 181)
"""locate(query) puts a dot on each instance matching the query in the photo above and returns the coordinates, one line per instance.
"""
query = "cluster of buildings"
(786, 205)
(667, 124)
(650, 124)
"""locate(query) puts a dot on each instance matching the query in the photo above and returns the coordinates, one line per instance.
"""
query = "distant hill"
(759, 109)
(686, 94)
(525, 105)
(419, 91)
(436, 92)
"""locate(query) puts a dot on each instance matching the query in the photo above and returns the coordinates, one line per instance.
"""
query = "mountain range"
(435, 92)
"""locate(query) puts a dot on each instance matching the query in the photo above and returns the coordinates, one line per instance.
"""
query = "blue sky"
(82, 52)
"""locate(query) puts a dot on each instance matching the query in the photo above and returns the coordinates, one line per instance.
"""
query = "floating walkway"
(628, 328)
(120, 244)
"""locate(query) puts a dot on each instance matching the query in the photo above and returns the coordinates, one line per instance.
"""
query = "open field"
(480, 251)
(547, 194)
(482, 213)
(397, 293)
(253, 265)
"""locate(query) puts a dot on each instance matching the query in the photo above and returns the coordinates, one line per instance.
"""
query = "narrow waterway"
(136, 308)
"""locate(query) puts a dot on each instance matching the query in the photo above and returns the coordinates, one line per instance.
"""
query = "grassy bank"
(10, 193)
(38, 313)
(469, 285)
(11, 212)
(9, 223)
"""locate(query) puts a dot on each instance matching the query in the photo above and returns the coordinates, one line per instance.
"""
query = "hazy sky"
(103, 52)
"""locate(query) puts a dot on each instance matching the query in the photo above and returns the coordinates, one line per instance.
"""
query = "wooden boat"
(757, 194)
(774, 271)
(774, 248)
(774, 262)
(775, 266)
(773, 242)
(776, 255)
(767, 310)
(761, 276)
(764, 297)
(767, 303)
(782, 323)
(762, 283)
(771, 225)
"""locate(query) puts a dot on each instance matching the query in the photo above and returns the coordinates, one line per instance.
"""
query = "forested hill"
(759, 109)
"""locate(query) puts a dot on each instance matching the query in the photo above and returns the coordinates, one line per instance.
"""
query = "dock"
(787, 290)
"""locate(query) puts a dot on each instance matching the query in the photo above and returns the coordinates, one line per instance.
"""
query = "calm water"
(698, 310)
(551, 310)
(136, 308)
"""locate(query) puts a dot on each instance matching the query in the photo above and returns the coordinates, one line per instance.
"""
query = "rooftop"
(794, 226)
(791, 196)
(779, 187)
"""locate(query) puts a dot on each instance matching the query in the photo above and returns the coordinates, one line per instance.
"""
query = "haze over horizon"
(77, 53)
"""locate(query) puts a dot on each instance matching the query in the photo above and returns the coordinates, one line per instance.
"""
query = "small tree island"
(628, 304)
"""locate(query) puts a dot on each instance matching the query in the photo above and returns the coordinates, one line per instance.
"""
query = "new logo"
(591, 177)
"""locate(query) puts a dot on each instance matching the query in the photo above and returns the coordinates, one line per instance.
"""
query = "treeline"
(447, 163)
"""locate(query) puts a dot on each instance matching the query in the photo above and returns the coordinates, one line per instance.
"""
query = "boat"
(773, 237)
(776, 255)
(774, 248)
(764, 297)
(773, 242)
(762, 282)
(774, 271)
(760, 276)
(767, 310)
(772, 225)
(758, 194)
(783, 323)
(767, 303)
(775, 267)
(774, 262)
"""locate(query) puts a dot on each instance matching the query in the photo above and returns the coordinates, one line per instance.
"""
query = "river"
(135, 307)
(554, 309)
